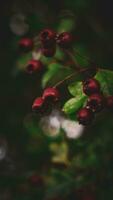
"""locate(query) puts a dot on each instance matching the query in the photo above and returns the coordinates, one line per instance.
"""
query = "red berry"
(109, 102)
(85, 116)
(34, 65)
(51, 94)
(36, 180)
(95, 102)
(91, 86)
(47, 37)
(38, 105)
(64, 39)
(26, 44)
(48, 52)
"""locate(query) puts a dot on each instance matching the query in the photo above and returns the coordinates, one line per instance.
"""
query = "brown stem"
(65, 79)
(79, 72)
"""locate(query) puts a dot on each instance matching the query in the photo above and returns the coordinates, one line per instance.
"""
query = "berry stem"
(69, 77)
(65, 79)
(73, 59)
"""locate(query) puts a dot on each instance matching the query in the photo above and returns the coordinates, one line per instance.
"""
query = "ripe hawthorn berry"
(49, 52)
(47, 38)
(64, 39)
(38, 105)
(91, 86)
(95, 102)
(51, 94)
(109, 102)
(85, 116)
(34, 65)
(26, 44)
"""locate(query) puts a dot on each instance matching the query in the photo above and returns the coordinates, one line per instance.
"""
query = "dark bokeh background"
(95, 30)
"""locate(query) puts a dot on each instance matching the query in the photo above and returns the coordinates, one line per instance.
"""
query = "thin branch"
(81, 71)
(65, 79)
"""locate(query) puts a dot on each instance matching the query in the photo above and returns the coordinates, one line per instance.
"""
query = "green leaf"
(76, 89)
(66, 25)
(105, 77)
(59, 55)
(55, 73)
(74, 104)
(81, 54)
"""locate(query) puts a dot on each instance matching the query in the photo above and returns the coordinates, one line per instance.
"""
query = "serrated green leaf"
(76, 89)
(105, 77)
(74, 104)
(55, 73)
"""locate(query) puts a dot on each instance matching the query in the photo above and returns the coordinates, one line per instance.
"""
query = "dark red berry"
(109, 102)
(95, 102)
(64, 39)
(26, 44)
(47, 37)
(91, 86)
(85, 116)
(38, 105)
(36, 180)
(51, 94)
(34, 65)
(48, 52)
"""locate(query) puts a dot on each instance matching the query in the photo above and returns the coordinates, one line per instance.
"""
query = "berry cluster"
(49, 39)
(43, 104)
(95, 103)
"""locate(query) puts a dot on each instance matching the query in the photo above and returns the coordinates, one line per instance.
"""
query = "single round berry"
(95, 102)
(26, 44)
(64, 39)
(85, 116)
(38, 105)
(36, 180)
(51, 94)
(48, 52)
(47, 37)
(109, 102)
(34, 65)
(91, 86)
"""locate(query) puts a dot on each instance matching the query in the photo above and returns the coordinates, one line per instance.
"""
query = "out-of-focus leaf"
(55, 73)
(22, 62)
(66, 25)
(105, 77)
